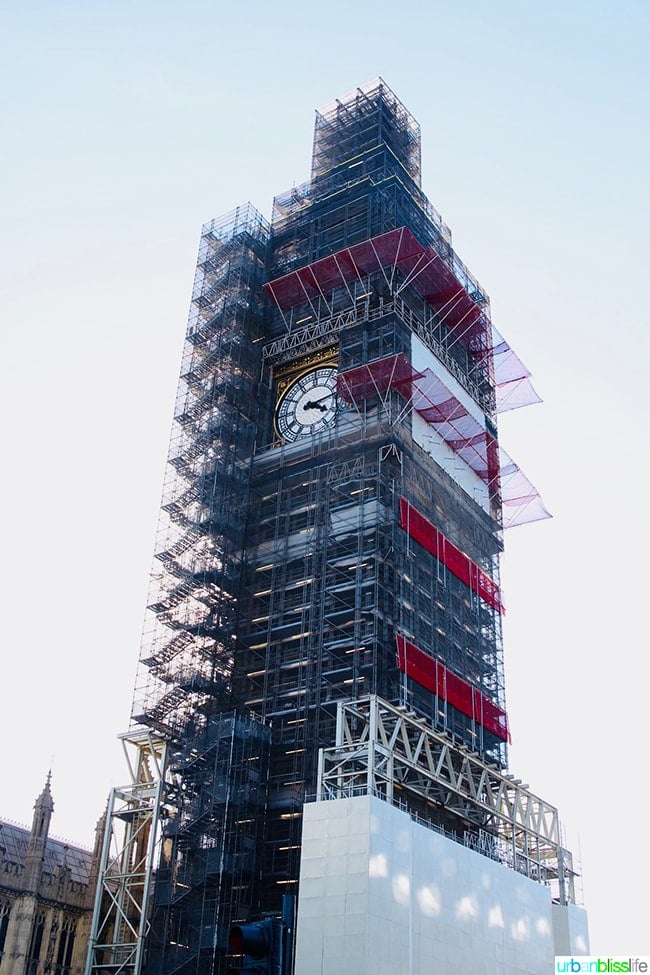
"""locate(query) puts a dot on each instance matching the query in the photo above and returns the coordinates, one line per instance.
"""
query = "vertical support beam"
(340, 737)
(372, 738)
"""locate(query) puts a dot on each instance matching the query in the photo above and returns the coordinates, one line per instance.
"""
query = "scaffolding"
(189, 636)
(367, 117)
(389, 752)
(363, 559)
(208, 871)
(217, 761)
(131, 838)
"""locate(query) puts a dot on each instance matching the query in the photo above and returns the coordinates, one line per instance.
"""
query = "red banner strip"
(435, 677)
(422, 531)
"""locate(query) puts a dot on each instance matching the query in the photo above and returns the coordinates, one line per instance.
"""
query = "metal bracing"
(427, 325)
(385, 750)
(129, 857)
(313, 336)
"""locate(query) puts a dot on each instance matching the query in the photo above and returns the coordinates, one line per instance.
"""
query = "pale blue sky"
(128, 125)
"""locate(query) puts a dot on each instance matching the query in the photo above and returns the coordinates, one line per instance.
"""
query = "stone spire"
(43, 809)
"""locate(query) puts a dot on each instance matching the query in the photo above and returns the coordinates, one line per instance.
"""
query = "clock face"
(309, 404)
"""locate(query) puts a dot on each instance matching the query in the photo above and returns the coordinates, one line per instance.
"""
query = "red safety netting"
(432, 539)
(435, 677)
(421, 266)
(436, 281)
(427, 393)
(462, 431)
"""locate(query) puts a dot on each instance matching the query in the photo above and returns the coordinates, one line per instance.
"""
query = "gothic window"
(37, 941)
(4, 924)
(66, 946)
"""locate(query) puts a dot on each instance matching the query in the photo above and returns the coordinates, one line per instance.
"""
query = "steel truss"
(387, 751)
(129, 857)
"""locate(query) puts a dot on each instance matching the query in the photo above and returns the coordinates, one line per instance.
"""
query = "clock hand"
(316, 404)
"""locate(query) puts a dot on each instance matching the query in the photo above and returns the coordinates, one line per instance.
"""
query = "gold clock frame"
(288, 373)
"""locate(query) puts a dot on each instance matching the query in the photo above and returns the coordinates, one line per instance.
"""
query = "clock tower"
(331, 527)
